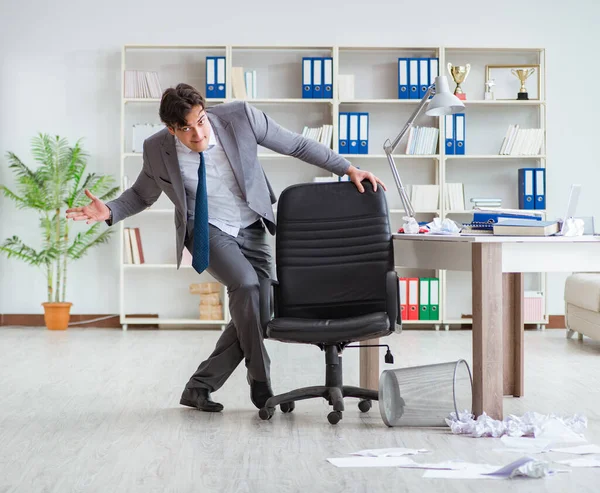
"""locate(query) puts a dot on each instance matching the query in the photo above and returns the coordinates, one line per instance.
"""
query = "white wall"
(60, 63)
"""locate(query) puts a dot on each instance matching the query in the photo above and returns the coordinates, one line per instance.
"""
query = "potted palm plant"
(56, 184)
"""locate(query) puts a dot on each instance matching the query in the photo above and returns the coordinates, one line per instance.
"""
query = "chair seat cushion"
(583, 290)
(329, 331)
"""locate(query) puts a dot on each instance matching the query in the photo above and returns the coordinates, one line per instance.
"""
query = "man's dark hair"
(177, 102)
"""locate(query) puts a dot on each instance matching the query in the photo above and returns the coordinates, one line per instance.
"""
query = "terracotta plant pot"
(57, 315)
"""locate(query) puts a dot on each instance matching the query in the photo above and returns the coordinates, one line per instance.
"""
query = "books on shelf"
(323, 134)
(532, 188)
(215, 77)
(353, 133)
(243, 83)
(415, 75)
(317, 77)
(454, 134)
(238, 83)
(141, 85)
(522, 141)
(250, 84)
(425, 197)
(134, 253)
(419, 298)
(422, 140)
(455, 197)
(141, 131)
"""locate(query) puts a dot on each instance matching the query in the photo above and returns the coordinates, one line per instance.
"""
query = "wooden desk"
(497, 264)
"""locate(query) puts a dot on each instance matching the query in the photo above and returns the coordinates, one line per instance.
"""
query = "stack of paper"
(522, 141)
(422, 140)
(238, 83)
(323, 134)
(425, 197)
(486, 202)
(455, 197)
(141, 85)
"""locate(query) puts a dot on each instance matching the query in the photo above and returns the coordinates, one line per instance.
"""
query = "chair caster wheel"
(364, 405)
(287, 407)
(266, 413)
(334, 417)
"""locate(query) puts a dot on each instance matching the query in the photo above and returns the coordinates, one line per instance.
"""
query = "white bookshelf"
(482, 170)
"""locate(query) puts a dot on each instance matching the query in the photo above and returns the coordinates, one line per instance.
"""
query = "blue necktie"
(200, 254)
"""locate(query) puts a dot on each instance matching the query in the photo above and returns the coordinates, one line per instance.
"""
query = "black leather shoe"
(259, 393)
(200, 399)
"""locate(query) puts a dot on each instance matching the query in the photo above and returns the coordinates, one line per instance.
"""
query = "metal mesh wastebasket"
(425, 395)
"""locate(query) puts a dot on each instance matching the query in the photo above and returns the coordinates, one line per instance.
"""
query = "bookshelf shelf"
(483, 173)
(381, 101)
(154, 266)
(285, 101)
(493, 156)
(396, 156)
(157, 100)
(402, 211)
(503, 102)
(170, 321)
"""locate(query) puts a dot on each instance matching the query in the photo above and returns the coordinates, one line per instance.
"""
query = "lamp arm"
(389, 149)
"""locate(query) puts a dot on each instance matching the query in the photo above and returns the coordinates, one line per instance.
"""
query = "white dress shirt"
(227, 209)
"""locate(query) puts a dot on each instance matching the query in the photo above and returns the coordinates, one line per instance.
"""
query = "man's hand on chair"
(357, 175)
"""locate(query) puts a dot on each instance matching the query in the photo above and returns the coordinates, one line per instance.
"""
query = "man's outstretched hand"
(95, 211)
(357, 175)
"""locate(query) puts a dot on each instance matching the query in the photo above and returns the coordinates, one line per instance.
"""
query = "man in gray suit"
(206, 161)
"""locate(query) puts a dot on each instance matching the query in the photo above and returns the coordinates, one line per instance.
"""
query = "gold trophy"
(523, 74)
(459, 73)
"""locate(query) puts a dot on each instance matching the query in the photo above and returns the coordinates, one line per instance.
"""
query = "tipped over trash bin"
(425, 395)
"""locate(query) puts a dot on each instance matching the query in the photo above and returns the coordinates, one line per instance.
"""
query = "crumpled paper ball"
(445, 227)
(411, 226)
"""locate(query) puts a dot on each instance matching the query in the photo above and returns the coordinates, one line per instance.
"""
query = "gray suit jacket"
(240, 128)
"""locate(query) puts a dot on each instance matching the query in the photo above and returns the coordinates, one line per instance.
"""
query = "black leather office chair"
(336, 282)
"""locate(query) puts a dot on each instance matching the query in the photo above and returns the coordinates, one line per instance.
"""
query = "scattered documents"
(523, 445)
(581, 462)
(390, 452)
(558, 431)
(579, 450)
(523, 467)
(368, 461)
(473, 471)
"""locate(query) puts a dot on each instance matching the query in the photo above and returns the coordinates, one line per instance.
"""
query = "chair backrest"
(333, 250)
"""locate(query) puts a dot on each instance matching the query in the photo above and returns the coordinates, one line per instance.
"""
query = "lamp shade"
(444, 102)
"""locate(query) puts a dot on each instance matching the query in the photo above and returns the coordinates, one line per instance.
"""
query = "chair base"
(334, 391)
(334, 395)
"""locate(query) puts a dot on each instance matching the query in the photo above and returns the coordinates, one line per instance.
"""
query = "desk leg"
(512, 313)
(369, 365)
(487, 329)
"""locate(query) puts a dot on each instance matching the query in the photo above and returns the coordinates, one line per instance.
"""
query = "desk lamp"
(442, 103)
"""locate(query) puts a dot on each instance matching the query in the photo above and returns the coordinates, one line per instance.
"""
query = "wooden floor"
(92, 410)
